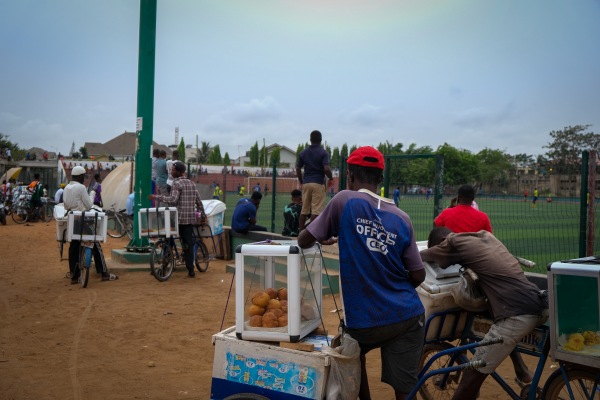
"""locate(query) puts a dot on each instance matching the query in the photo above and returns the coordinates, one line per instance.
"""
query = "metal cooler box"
(435, 295)
(242, 368)
(573, 295)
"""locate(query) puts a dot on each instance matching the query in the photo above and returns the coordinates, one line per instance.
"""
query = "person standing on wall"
(315, 161)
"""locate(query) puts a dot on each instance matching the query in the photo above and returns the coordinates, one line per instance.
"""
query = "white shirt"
(76, 197)
(169, 177)
(57, 195)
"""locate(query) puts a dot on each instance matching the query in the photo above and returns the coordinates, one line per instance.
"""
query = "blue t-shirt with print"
(377, 249)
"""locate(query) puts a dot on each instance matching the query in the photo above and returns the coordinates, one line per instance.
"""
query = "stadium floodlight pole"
(145, 117)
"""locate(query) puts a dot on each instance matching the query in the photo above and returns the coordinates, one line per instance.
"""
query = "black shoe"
(191, 275)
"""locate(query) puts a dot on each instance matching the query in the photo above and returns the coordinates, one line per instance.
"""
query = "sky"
(498, 74)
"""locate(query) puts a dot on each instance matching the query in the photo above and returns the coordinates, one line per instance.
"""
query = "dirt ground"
(134, 338)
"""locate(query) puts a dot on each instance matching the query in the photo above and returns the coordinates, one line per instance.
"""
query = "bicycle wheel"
(129, 227)
(201, 256)
(20, 215)
(48, 212)
(584, 384)
(162, 261)
(115, 228)
(85, 259)
(438, 386)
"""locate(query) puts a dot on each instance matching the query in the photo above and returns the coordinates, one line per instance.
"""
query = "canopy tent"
(117, 186)
(12, 173)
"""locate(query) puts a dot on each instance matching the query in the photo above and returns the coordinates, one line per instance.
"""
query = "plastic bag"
(343, 382)
(467, 293)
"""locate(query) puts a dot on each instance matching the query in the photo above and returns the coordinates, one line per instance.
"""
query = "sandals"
(110, 277)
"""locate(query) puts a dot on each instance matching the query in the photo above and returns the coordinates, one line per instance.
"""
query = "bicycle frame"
(536, 344)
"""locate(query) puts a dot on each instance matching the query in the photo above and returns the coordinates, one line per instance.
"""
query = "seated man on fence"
(516, 304)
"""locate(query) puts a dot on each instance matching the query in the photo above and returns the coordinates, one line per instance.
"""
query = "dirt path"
(135, 338)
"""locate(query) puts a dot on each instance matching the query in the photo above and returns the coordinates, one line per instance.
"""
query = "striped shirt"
(186, 198)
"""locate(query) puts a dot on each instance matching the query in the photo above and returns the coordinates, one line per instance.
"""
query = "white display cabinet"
(266, 266)
(158, 221)
(86, 226)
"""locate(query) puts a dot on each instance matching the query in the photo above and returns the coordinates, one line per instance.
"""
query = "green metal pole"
(273, 196)
(439, 185)
(583, 206)
(145, 117)
(386, 176)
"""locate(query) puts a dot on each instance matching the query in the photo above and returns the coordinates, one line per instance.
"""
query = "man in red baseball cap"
(380, 267)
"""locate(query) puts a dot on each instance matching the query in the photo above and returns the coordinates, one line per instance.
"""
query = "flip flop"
(110, 277)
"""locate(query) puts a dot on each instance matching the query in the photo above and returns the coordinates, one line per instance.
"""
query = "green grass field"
(544, 234)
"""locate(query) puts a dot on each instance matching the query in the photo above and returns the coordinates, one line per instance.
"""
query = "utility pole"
(145, 117)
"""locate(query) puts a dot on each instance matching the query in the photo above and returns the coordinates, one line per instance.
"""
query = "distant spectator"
(291, 215)
(461, 216)
(130, 205)
(8, 154)
(174, 158)
(162, 173)
(96, 188)
(397, 195)
(58, 196)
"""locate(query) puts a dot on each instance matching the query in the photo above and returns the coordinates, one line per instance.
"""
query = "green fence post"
(585, 157)
(439, 185)
(273, 195)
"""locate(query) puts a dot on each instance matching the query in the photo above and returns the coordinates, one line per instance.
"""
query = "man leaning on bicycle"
(514, 302)
(186, 199)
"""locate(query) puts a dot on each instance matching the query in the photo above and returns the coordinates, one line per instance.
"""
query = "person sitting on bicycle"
(186, 198)
(516, 304)
(76, 198)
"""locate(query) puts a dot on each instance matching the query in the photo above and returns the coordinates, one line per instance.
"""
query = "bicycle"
(23, 211)
(166, 253)
(443, 361)
(86, 250)
(119, 223)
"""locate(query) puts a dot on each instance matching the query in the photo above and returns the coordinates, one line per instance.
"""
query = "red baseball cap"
(367, 156)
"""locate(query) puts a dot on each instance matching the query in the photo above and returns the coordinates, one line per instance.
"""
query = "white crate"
(86, 225)
(279, 264)
(158, 221)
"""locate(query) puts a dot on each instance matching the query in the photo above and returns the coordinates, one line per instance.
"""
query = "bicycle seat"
(123, 210)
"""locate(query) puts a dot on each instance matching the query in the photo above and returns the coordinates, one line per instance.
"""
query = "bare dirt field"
(134, 338)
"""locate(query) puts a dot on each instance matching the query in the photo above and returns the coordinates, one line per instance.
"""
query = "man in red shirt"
(463, 217)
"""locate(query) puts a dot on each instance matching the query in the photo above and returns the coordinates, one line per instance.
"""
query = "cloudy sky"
(500, 74)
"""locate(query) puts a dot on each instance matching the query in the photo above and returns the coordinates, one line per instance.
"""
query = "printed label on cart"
(271, 374)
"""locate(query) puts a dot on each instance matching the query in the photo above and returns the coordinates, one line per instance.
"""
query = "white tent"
(117, 186)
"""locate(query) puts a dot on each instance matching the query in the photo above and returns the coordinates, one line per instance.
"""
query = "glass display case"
(278, 291)
(86, 225)
(158, 221)
(573, 296)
